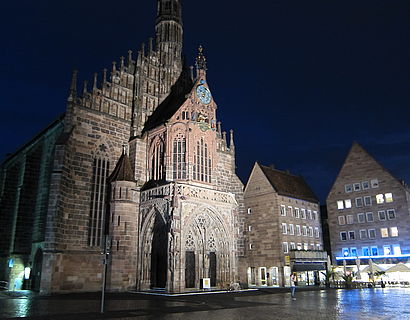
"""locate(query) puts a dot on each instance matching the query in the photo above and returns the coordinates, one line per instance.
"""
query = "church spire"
(169, 10)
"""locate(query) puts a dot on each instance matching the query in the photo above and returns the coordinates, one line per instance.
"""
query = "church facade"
(138, 165)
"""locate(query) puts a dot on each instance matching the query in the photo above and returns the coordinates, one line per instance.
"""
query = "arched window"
(157, 161)
(202, 162)
(101, 167)
(179, 158)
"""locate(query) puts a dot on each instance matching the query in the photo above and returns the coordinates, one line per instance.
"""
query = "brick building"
(282, 229)
(141, 158)
(368, 213)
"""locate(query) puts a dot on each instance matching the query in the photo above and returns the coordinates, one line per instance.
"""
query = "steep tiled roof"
(172, 103)
(289, 185)
(123, 170)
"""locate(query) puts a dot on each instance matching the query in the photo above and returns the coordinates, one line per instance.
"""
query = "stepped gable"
(123, 170)
(289, 185)
(172, 103)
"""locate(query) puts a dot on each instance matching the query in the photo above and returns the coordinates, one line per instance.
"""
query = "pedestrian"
(292, 286)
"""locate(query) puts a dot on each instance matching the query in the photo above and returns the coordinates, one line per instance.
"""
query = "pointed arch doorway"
(159, 253)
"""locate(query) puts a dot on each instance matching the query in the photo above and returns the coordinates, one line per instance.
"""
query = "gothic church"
(138, 161)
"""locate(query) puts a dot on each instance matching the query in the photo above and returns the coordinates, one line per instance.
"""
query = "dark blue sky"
(298, 81)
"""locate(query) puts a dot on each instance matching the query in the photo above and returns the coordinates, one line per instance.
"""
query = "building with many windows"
(138, 166)
(283, 231)
(368, 213)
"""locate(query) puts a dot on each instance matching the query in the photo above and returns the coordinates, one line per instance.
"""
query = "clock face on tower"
(203, 93)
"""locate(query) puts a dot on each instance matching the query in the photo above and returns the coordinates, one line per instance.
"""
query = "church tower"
(169, 41)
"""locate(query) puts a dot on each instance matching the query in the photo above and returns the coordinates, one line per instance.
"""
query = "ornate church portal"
(187, 235)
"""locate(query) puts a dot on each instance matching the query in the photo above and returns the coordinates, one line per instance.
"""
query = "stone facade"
(368, 212)
(139, 110)
(279, 220)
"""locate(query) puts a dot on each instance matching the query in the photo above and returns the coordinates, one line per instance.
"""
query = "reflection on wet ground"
(357, 304)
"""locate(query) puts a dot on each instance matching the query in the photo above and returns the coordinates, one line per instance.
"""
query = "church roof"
(123, 170)
(289, 185)
(172, 103)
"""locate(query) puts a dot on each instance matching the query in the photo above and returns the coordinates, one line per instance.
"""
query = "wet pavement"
(389, 303)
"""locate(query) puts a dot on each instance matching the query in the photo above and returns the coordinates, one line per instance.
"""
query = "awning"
(309, 266)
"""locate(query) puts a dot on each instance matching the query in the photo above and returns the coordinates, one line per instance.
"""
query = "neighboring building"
(368, 213)
(139, 158)
(282, 229)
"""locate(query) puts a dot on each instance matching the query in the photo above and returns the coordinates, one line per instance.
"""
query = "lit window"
(348, 204)
(374, 183)
(367, 201)
(291, 229)
(306, 246)
(382, 215)
(356, 187)
(375, 251)
(394, 232)
(391, 214)
(249, 228)
(365, 251)
(379, 198)
(389, 197)
(384, 232)
(372, 233)
(249, 210)
(363, 234)
(361, 218)
(303, 213)
(282, 211)
(369, 216)
(318, 247)
(387, 250)
(349, 219)
(342, 220)
(396, 249)
(343, 235)
(345, 252)
(284, 228)
(340, 205)
(353, 252)
(179, 158)
(202, 168)
(365, 185)
(359, 202)
(348, 188)
(352, 235)
(285, 247)
(250, 246)
(299, 246)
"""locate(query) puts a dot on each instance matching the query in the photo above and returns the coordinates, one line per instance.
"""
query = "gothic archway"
(159, 253)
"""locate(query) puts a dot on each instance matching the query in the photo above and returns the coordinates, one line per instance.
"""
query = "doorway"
(212, 268)
(159, 253)
(190, 269)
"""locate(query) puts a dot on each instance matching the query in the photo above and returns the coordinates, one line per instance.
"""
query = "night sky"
(298, 81)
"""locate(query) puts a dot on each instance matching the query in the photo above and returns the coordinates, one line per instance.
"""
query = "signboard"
(287, 260)
(206, 283)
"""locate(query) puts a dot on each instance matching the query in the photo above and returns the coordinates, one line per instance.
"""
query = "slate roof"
(123, 170)
(172, 103)
(289, 185)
